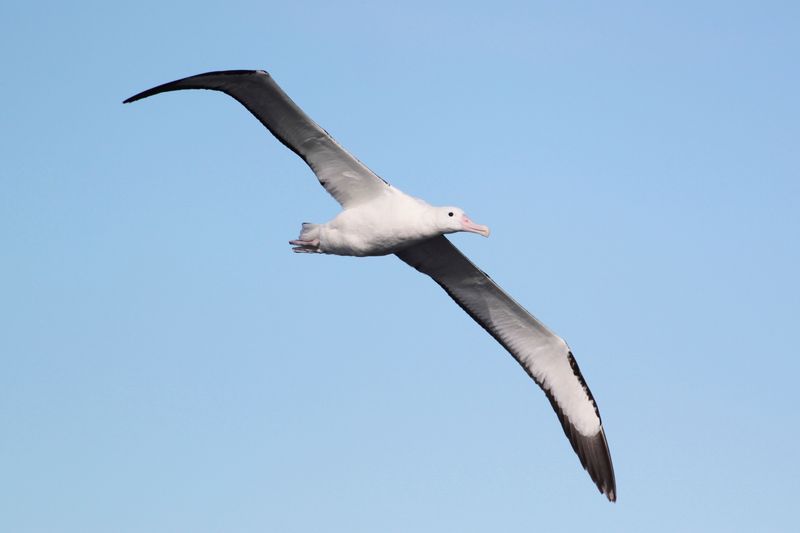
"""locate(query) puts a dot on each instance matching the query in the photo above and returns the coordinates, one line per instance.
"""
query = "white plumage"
(378, 219)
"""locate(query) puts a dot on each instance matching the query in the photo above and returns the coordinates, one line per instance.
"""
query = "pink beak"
(468, 225)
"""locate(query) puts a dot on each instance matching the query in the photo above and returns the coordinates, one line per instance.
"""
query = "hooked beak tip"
(468, 225)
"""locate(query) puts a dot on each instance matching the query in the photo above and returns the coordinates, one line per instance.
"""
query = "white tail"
(308, 242)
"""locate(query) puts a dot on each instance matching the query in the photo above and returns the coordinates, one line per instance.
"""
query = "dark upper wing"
(543, 355)
(342, 175)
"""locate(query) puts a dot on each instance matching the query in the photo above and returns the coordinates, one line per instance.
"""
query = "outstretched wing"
(543, 355)
(348, 180)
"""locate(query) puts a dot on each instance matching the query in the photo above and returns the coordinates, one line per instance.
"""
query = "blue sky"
(167, 364)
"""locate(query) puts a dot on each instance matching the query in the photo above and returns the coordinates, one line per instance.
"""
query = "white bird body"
(378, 219)
(386, 224)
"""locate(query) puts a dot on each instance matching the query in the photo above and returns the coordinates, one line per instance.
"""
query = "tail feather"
(309, 232)
(308, 241)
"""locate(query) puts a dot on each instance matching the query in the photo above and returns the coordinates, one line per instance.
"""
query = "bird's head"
(453, 219)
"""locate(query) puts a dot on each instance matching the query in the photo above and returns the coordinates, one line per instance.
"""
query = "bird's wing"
(543, 355)
(348, 180)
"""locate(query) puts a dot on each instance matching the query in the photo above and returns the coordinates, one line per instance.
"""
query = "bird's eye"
(450, 214)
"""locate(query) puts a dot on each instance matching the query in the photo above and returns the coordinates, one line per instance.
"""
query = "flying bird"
(379, 219)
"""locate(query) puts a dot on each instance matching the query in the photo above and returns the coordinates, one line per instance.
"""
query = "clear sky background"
(168, 365)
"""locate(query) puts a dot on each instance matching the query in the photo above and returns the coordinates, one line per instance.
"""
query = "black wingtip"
(593, 453)
(592, 450)
(150, 92)
(191, 82)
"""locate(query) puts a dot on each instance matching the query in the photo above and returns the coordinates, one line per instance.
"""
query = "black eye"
(450, 214)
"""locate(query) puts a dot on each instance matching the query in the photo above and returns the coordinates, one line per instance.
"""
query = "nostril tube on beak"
(468, 225)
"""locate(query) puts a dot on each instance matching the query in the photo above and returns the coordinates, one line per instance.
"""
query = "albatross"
(379, 219)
